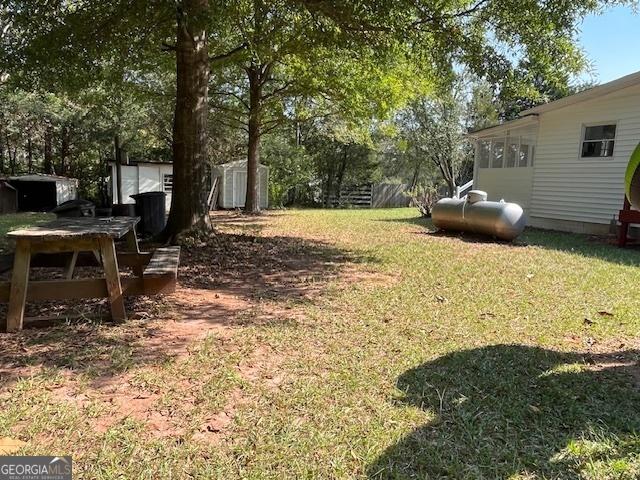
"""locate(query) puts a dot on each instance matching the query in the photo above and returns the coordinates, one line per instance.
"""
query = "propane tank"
(475, 214)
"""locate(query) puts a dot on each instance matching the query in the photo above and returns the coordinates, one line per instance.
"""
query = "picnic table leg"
(19, 284)
(71, 265)
(112, 276)
(132, 241)
(133, 246)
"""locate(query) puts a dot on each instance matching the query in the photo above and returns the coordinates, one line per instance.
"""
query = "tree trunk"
(117, 153)
(48, 150)
(29, 154)
(12, 159)
(416, 176)
(256, 82)
(328, 189)
(341, 170)
(188, 200)
(64, 150)
(1, 153)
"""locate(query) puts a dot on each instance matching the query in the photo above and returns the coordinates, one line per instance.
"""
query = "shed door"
(239, 188)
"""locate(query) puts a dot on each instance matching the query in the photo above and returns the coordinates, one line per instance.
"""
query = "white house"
(564, 161)
(141, 177)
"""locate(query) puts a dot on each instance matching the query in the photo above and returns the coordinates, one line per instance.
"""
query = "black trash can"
(150, 207)
(123, 210)
(75, 208)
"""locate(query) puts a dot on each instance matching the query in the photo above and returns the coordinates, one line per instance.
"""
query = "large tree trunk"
(256, 82)
(48, 150)
(117, 153)
(188, 202)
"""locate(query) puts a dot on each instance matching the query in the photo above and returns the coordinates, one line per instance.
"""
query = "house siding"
(567, 187)
(510, 184)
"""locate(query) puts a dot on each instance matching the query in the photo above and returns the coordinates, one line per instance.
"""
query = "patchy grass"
(14, 221)
(350, 344)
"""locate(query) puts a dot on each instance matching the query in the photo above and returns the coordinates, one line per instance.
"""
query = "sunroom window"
(484, 151)
(598, 141)
(512, 153)
(497, 154)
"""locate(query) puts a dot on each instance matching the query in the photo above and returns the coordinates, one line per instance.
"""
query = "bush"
(424, 198)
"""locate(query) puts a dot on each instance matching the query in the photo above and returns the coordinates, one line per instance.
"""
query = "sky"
(610, 41)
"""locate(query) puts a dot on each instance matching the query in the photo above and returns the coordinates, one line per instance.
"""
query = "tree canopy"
(206, 68)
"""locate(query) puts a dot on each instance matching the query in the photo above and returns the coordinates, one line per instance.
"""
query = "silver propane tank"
(475, 214)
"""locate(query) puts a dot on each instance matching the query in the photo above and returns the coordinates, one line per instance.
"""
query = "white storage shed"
(141, 177)
(232, 184)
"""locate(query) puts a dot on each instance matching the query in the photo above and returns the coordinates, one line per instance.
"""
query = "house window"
(512, 153)
(167, 182)
(498, 154)
(484, 150)
(598, 141)
(523, 159)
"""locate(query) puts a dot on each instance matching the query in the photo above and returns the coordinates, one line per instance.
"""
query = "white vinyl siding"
(567, 186)
(508, 184)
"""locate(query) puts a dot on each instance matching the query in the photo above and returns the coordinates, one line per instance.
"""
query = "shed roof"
(41, 177)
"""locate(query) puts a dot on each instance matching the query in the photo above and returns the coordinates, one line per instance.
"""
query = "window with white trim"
(598, 141)
(167, 182)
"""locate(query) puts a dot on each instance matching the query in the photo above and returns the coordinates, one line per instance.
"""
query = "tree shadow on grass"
(264, 267)
(509, 410)
(594, 246)
(219, 283)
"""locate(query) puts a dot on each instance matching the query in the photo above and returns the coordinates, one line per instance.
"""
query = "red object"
(626, 217)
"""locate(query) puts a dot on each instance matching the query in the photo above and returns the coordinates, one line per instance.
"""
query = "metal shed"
(42, 193)
(232, 184)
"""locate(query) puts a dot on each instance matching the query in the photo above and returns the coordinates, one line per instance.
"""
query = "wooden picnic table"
(97, 235)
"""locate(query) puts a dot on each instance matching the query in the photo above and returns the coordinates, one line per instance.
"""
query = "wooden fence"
(382, 195)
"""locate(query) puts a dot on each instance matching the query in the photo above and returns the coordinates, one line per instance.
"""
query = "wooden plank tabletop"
(62, 228)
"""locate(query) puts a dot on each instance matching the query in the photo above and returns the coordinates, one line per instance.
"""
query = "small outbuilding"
(8, 198)
(43, 193)
(142, 177)
(232, 184)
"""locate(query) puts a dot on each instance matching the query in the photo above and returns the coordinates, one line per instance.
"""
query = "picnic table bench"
(71, 242)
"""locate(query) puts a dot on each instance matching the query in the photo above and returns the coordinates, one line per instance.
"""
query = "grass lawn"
(16, 220)
(348, 344)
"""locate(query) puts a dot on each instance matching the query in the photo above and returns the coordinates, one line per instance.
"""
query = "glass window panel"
(512, 154)
(593, 133)
(498, 153)
(609, 132)
(603, 148)
(483, 153)
(600, 132)
(523, 160)
(598, 141)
